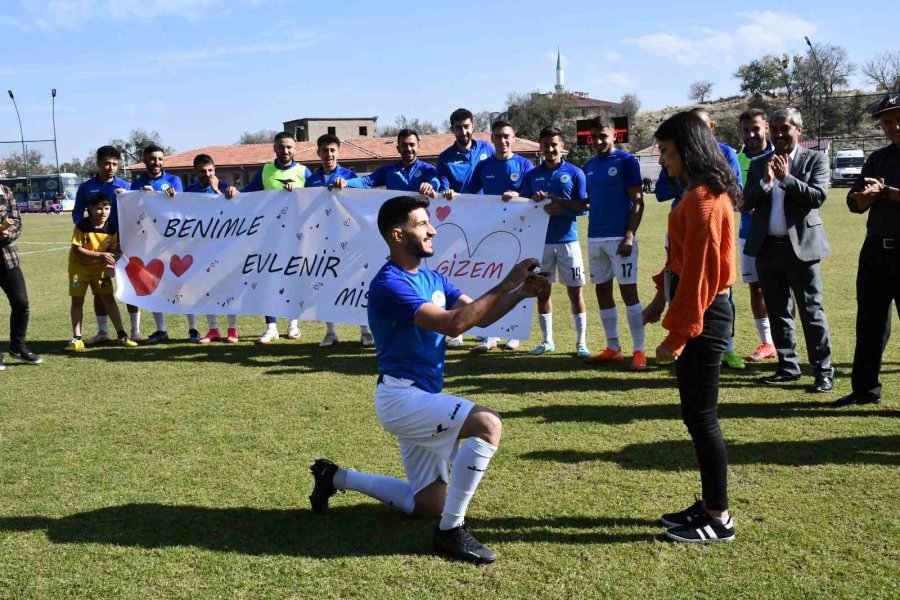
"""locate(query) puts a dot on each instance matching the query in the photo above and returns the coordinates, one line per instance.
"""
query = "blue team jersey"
(160, 184)
(495, 175)
(455, 167)
(199, 188)
(94, 186)
(567, 182)
(320, 179)
(400, 178)
(608, 180)
(668, 189)
(403, 349)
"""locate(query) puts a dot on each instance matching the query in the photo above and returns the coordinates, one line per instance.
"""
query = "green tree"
(529, 113)
(759, 76)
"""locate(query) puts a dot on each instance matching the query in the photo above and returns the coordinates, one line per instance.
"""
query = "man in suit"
(784, 190)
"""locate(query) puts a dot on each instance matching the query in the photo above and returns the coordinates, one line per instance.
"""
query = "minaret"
(559, 73)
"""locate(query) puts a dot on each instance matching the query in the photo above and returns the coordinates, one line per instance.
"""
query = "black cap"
(891, 102)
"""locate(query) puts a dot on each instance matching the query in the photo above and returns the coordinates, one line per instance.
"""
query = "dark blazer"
(804, 192)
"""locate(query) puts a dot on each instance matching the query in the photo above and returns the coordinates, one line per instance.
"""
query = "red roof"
(383, 148)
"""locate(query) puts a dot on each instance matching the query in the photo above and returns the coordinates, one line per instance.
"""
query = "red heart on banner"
(179, 265)
(144, 279)
(442, 212)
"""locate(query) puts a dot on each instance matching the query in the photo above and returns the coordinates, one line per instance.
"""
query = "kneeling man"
(411, 310)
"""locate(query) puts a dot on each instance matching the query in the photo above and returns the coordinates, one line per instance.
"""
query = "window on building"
(332, 131)
(364, 131)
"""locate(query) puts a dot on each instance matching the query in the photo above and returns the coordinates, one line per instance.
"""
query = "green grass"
(181, 471)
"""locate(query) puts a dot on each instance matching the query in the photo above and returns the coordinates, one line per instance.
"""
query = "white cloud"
(773, 31)
(613, 56)
(71, 14)
(759, 31)
(623, 79)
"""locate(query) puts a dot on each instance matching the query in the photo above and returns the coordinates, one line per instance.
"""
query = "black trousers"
(877, 285)
(697, 370)
(12, 282)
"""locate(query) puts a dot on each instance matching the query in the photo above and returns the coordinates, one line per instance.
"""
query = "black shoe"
(856, 400)
(704, 531)
(823, 384)
(459, 544)
(158, 337)
(778, 378)
(691, 514)
(26, 355)
(323, 471)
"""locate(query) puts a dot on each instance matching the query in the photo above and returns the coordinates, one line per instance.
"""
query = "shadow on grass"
(679, 455)
(279, 358)
(361, 530)
(620, 414)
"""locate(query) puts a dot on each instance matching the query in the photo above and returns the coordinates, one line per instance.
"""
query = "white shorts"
(748, 265)
(606, 263)
(426, 426)
(565, 258)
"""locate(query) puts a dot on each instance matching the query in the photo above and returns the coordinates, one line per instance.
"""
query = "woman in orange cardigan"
(699, 271)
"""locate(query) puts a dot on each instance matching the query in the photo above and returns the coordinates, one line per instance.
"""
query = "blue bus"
(45, 190)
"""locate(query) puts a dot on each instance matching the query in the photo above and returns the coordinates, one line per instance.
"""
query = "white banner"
(307, 254)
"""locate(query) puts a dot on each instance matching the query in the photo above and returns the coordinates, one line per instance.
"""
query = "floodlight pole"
(55, 150)
(821, 90)
(24, 148)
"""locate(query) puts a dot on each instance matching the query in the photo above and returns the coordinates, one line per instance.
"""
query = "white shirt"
(777, 221)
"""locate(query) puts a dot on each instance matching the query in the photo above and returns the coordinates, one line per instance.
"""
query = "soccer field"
(181, 471)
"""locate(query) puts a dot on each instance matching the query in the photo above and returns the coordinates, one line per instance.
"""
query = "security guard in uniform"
(877, 190)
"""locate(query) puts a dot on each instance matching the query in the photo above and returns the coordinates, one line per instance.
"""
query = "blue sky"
(201, 72)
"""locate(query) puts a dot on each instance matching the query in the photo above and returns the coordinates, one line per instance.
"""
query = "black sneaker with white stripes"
(689, 515)
(706, 529)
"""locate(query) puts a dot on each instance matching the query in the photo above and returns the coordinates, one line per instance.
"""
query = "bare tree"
(833, 65)
(699, 91)
(263, 136)
(883, 71)
(403, 122)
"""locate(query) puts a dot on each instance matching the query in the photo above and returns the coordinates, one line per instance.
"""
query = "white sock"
(192, 321)
(390, 490)
(765, 333)
(232, 321)
(468, 469)
(729, 346)
(331, 328)
(102, 324)
(364, 330)
(292, 324)
(546, 323)
(635, 315)
(579, 321)
(273, 327)
(160, 319)
(135, 323)
(212, 321)
(610, 319)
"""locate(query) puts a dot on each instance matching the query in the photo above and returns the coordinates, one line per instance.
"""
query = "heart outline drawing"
(469, 250)
(180, 264)
(144, 278)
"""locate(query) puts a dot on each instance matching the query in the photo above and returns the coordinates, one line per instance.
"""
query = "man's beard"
(416, 249)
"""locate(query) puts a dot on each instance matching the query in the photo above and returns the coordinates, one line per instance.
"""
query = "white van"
(846, 166)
